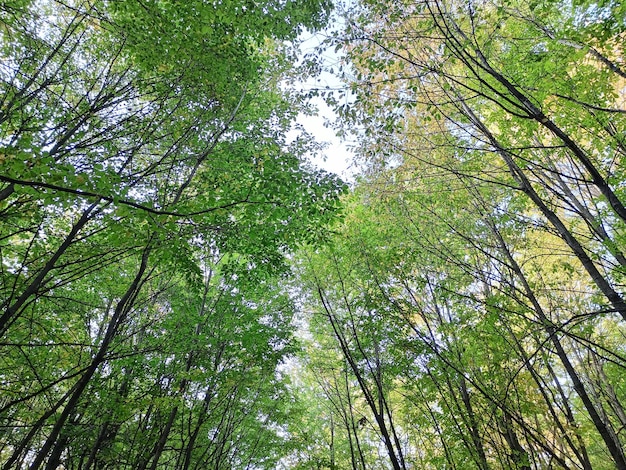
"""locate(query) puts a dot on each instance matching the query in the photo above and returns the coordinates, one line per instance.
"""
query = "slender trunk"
(607, 434)
(446, 450)
(101, 439)
(608, 391)
(12, 311)
(473, 426)
(592, 222)
(204, 413)
(450, 29)
(121, 310)
(369, 398)
(477, 449)
(208, 396)
(6, 192)
(138, 442)
(518, 453)
(352, 426)
(10, 464)
(579, 451)
(332, 443)
(603, 284)
(160, 444)
(108, 430)
(54, 461)
(165, 432)
(188, 452)
(569, 414)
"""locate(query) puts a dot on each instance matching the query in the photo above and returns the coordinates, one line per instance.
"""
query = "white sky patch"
(337, 156)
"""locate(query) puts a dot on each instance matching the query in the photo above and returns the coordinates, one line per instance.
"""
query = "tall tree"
(143, 147)
(488, 123)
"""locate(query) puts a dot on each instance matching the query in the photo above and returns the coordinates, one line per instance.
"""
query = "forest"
(181, 288)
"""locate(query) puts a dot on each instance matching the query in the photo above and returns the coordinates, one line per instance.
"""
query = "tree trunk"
(121, 310)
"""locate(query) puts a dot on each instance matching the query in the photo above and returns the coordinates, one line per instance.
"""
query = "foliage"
(149, 199)
(475, 287)
(467, 310)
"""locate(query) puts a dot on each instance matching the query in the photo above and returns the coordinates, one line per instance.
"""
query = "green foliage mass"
(179, 292)
(149, 199)
(473, 295)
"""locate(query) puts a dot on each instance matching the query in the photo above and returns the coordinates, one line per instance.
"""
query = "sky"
(337, 156)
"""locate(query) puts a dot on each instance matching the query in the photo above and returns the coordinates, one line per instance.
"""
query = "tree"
(481, 133)
(143, 147)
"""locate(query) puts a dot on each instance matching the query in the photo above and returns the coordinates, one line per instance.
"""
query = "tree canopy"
(182, 289)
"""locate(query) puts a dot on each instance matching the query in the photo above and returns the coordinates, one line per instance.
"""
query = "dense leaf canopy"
(180, 289)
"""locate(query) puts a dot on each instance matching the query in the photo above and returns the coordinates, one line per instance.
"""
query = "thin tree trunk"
(369, 398)
(11, 312)
(352, 426)
(609, 438)
(603, 284)
(108, 430)
(10, 464)
(450, 29)
(608, 391)
(121, 310)
(6, 192)
(473, 426)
